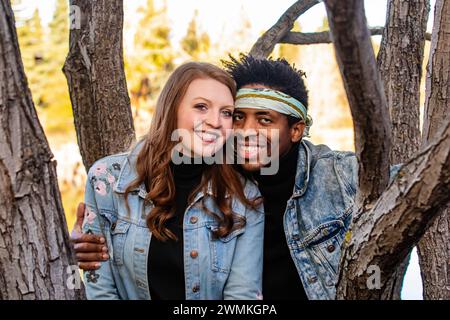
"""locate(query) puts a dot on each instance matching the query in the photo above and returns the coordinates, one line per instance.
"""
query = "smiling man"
(308, 202)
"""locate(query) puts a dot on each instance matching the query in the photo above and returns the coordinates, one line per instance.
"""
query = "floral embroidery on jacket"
(103, 178)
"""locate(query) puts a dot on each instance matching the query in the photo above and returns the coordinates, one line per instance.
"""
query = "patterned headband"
(263, 98)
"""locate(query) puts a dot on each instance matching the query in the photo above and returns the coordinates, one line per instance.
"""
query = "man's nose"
(249, 124)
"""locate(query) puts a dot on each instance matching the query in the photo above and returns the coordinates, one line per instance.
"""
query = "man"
(308, 202)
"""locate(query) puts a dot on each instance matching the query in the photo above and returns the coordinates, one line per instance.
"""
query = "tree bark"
(365, 94)
(400, 64)
(434, 247)
(384, 236)
(266, 43)
(95, 74)
(35, 252)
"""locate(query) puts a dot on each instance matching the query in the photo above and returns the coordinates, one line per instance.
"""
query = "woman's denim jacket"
(224, 268)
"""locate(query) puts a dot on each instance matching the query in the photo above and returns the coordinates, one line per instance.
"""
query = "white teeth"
(250, 149)
(207, 137)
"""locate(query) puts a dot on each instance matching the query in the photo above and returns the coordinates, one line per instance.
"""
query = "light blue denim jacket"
(319, 214)
(225, 268)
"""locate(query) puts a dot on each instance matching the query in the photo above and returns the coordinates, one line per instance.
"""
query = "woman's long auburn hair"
(153, 161)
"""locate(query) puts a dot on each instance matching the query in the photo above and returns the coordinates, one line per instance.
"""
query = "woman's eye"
(201, 107)
(227, 113)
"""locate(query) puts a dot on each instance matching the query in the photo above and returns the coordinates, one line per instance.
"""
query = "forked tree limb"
(265, 44)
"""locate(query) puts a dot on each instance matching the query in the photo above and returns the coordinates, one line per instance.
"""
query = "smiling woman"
(178, 231)
(207, 110)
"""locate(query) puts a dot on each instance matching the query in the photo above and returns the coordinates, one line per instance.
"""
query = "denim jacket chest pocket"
(119, 230)
(115, 228)
(222, 248)
(324, 244)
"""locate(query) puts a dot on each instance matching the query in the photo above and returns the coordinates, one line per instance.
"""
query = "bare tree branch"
(265, 44)
(96, 78)
(365, 94)
(384, 236)
(307, 38)
(434, 247)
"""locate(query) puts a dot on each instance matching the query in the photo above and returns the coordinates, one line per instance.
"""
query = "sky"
(220, 18)
(217, 16)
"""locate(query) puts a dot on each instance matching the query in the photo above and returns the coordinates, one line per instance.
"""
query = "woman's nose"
(213, 119)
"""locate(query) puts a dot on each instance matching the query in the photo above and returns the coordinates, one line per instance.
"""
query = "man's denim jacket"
(319, 214)
(224, 268)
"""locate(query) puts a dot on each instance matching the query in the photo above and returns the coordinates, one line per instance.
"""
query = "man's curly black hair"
(276, 74)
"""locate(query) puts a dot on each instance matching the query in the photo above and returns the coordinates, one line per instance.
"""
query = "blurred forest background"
(151, 53)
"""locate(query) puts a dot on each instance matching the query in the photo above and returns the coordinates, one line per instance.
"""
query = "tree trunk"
(95, 74)
(365, 93)
(36, 260)
(434, 247)
(400, 64)
(381, 235)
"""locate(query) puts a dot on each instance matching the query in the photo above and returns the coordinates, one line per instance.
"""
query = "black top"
(280, 277)
(165, 267)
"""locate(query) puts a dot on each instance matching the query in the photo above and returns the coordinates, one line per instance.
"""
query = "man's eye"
(201, 106)
(265, 120)
(237, 117)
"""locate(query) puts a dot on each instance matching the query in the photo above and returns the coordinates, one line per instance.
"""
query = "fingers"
(91, 257)
(90, 238)
(87, 266)
(80, 217)
(86, 247)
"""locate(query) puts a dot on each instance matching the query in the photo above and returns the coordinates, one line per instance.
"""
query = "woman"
(177, 231)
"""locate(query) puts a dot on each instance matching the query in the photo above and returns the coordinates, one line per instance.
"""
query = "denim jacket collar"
(128, 173)
(308, 154)
(303, 168)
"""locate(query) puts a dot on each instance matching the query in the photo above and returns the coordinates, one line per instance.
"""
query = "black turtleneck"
(165, 267)
(280, 277)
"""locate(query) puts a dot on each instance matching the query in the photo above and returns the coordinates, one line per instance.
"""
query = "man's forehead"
(255, 86)
(255, 111)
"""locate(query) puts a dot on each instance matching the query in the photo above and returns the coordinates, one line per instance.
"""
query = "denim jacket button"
(140, 250)
(296, 237)
(312, 279)
(140, 284)
(194, 254)
(331, 248)
(193, 219)
(113, 226)
(196, 288)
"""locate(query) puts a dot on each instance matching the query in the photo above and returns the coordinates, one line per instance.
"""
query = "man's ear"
(296, 131)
